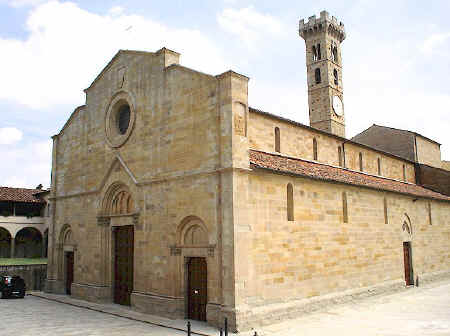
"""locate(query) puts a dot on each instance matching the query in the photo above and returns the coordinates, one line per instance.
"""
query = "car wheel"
(22, 293)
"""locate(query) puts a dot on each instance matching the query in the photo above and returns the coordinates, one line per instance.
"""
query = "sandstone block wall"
(298, 142)
(428, 152)
(318, 254)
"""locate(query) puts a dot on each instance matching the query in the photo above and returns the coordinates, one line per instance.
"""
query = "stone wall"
(319, 254)
(189, 132)
(297, 141)
(428, 152)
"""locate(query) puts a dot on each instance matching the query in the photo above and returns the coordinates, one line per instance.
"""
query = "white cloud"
(116, 10)
(249, 24)
(24, 3)
(9, 135)
(68, 46)
(433, 42)
(26, 165)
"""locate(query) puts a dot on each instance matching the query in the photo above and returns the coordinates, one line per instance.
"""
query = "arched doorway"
(192, 234)
(118, 204)
(28, 243)
(407, 251)
(5, 243)
(67, 258)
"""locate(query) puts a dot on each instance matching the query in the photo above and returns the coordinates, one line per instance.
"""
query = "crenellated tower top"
(323, 37)
(325, 23)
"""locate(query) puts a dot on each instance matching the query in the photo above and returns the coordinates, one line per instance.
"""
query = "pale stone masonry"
(178, 157)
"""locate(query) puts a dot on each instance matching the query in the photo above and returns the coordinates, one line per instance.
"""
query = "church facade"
(170, 194)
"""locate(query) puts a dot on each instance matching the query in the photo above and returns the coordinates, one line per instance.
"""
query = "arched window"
(361, 167)
(318, 76)
(344, 207)
(336, 77)
(340, 156)
(334, 54)
(379, 166)
(314, 52)
(277, 139)
(319, 54)
(290, 202)
(314, 149)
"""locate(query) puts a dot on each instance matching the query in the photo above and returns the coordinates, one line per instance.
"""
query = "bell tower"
(323, 37)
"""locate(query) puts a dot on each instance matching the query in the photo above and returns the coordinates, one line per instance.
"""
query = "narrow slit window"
(277, 139)
(336, 77)
(314, 53)
(315, 154)
(429, 213)
(290, 202)
(340, 156)
(361, 167)
(404, 173)
(379, 166)
(386, 221)
(344, 207)
(319, 54)
(318, 76)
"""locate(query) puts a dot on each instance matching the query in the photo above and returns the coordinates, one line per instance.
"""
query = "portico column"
(13, 247)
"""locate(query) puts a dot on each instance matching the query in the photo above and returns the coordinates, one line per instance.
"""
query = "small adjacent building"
(24, 215)
(171, 195)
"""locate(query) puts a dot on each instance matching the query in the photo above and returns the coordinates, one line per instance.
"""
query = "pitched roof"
(344, 140)
(20, 195)
(283, 164)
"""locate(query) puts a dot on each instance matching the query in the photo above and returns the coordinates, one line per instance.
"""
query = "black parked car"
(12, 286)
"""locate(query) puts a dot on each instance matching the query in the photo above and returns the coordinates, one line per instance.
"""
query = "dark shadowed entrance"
(197, 289)
(69, 271)
(123, 264)
(408, 264)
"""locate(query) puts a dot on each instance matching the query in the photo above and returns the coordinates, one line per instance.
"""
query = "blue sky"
(396, 62)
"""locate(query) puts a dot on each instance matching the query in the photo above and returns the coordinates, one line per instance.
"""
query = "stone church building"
(170, 194)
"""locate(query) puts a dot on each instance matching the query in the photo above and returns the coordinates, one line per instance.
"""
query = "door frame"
(407, 244)
(113, 258)
(66, 252)
(187, 260)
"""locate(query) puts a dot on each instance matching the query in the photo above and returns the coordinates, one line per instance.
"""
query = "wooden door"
(123, 264)
(407, 262)
(197, 289)
(69, 272)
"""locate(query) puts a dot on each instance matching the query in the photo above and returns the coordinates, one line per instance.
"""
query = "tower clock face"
(338, 107)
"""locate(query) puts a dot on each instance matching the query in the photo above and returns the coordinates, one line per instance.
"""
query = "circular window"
(119, 119)
(123, 118)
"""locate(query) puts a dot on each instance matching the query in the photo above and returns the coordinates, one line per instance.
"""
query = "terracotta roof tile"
(20, 195)
(324, 172)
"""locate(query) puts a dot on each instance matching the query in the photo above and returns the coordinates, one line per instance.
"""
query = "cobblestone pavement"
(423, 311)
(37, 316)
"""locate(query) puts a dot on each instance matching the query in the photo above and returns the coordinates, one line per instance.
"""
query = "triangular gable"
(118, 160)
(112, 61)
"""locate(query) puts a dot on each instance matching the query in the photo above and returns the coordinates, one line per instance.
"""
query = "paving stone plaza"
(419, 311)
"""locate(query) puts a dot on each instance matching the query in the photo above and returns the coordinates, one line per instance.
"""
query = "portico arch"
(28, 243)
(5, 243)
